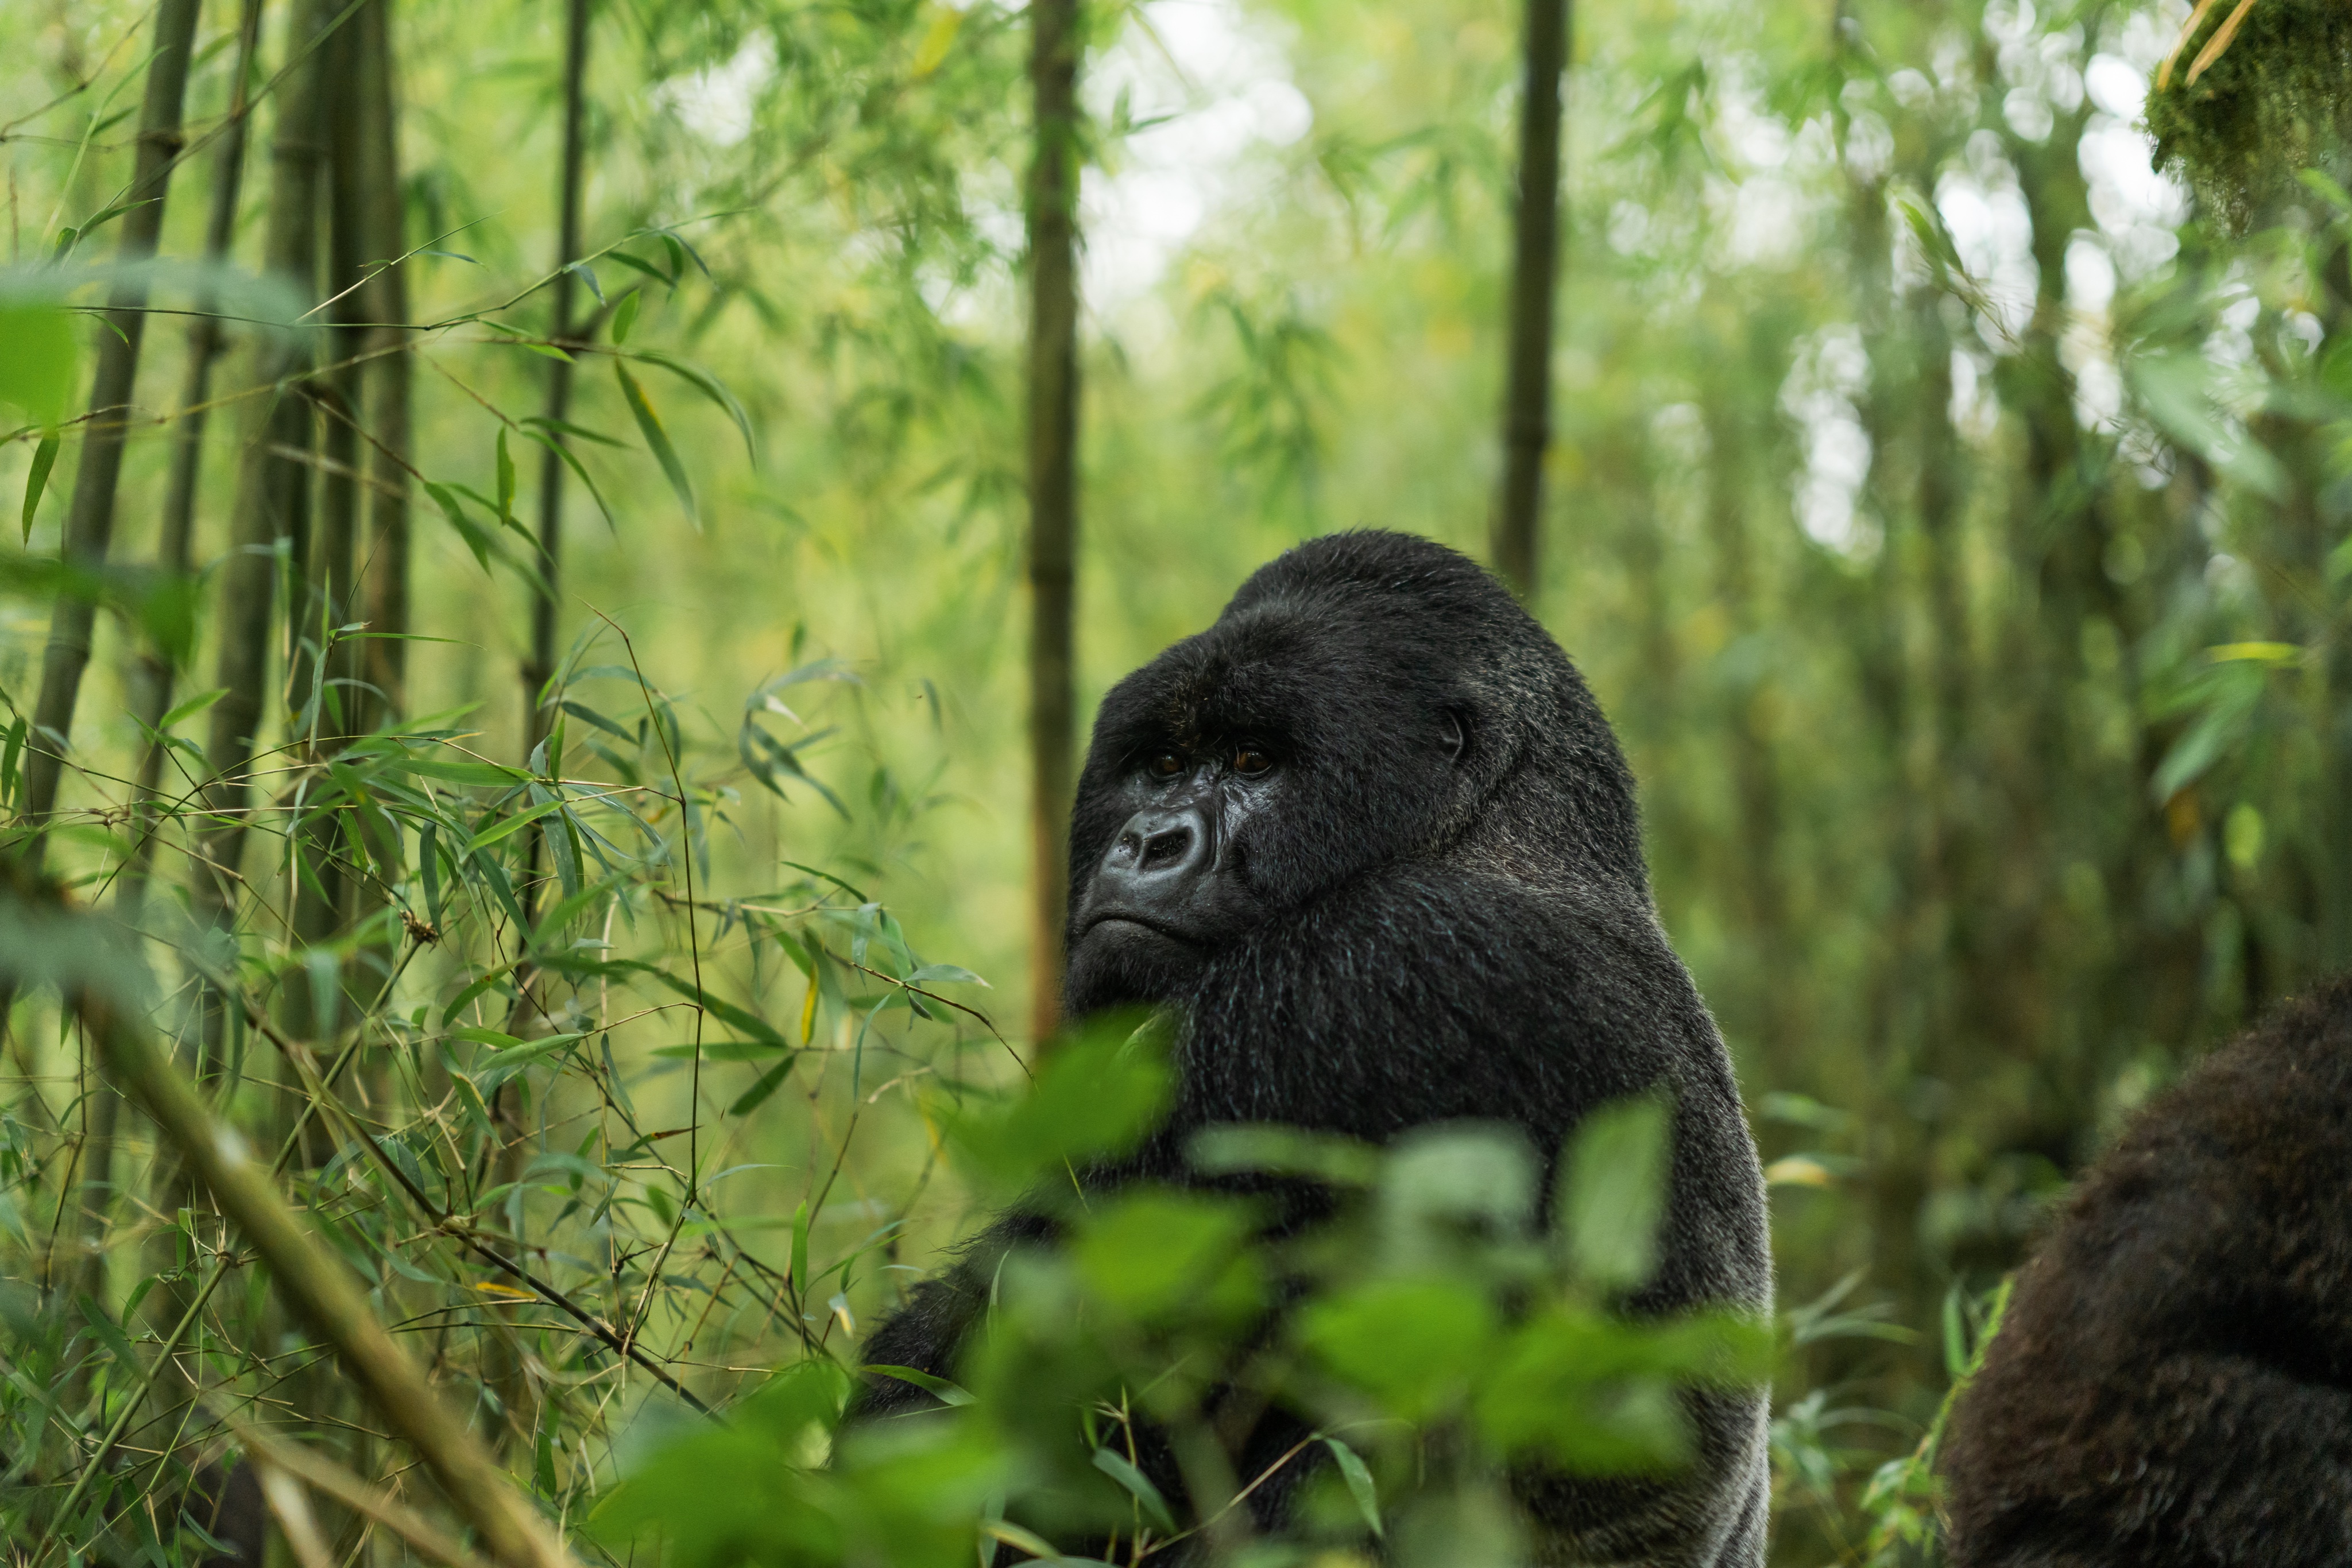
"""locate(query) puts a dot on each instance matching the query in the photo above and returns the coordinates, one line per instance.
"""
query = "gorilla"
(1372, 840)
(2171, 1382)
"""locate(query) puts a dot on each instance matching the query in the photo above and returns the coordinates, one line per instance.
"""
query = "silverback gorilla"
(1370, 838)
(2172, 1382)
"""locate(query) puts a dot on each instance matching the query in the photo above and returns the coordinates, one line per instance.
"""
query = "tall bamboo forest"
(562, 555)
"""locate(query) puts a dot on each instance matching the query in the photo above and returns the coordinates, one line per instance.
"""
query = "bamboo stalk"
(151, 686)
(273, 481)
(2188, 31)
(1053, 188)
(89, 521)
(542, 666)
(319, 681)
(87, 539)
(1535, 278)
(504, 1368)
(2219, 41)
(383, 667)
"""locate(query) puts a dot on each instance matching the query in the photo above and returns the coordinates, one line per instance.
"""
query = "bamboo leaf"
(588, 275)
(506, 827)
(505, 471)
(711, 387)
(1359, 1482)
(650, 425)
(1121, 1469)
(45, 457)
(757, 1095)
(579, 473)
(193, 707)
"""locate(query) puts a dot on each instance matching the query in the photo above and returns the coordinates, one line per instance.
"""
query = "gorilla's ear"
(1457, 732)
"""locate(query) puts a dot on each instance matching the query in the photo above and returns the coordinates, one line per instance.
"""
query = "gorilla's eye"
(1166, 764)
(1249, 762)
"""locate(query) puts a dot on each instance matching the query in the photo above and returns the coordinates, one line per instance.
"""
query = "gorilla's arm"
(930, 1327)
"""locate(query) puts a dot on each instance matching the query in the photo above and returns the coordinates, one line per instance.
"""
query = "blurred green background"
(1951, 521)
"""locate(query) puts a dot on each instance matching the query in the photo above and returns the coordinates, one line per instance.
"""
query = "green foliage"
(1419, 1381)
(1093, 1096)
(36, 368)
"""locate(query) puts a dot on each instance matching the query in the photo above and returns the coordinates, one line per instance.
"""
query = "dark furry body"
(2172, 1382)
(1448, 917)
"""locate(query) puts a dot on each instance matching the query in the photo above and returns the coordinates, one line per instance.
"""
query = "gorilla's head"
(1366, 699)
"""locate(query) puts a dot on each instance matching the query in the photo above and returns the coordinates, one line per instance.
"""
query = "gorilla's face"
(1322, 728)
(1239, 774)
(1368, 698)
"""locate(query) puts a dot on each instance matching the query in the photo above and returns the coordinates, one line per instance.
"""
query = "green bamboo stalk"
(1054, 46)
(385, 661)
(323, 670)
(152, 684)
(273, 482)
(90, 521)
(541, 667)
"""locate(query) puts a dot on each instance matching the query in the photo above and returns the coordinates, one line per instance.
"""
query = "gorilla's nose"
(1153, 861)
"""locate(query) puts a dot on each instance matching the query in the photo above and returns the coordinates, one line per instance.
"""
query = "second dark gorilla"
(1371, 838)
(2171, 1385)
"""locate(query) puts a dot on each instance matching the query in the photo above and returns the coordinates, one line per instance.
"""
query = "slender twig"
(447, 1224)
(693, 932)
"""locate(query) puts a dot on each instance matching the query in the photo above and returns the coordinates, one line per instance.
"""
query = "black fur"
(2172, 1382)
(1432, 905)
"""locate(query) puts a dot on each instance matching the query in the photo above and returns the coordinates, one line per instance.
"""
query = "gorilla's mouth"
(1117, 917)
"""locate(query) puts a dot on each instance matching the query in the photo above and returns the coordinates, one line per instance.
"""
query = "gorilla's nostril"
(1166, 847)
